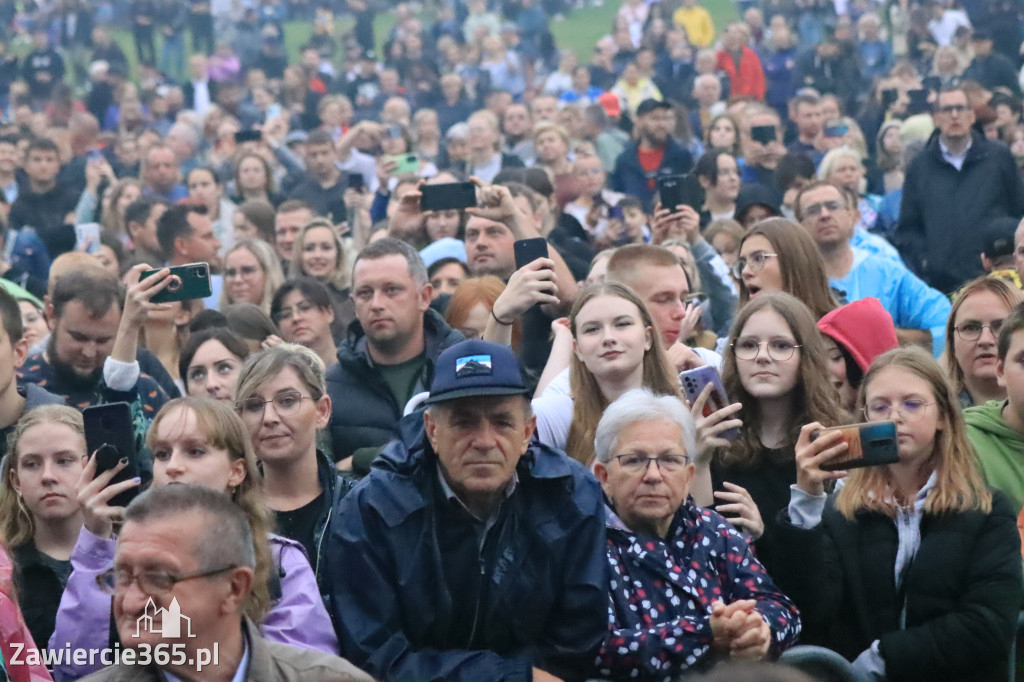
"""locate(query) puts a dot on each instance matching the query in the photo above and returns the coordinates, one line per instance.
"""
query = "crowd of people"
(506, 362)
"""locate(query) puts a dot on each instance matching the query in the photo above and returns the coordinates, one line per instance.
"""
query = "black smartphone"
(529, 250)
(676, 190)
(694, 381)
(337, 211)
(248, 136)
(918, 102)
(110, 434)
(889, 97)
(355, 181)
(447, 196)
(871, 444)
(763, 134)
(187, 282)
(615, 213)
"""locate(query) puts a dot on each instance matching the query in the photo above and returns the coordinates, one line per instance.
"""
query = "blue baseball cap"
(473, 368)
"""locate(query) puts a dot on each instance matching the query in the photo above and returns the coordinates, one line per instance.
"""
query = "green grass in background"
(579, 31)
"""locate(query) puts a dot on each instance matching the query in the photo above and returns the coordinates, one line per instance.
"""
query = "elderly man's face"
(167, 546)
(479, 441)
(647, 500)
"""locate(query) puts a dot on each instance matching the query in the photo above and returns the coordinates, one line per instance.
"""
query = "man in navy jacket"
(472, 554)
(655, 153)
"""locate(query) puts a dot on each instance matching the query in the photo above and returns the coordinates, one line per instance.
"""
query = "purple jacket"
(298, 618)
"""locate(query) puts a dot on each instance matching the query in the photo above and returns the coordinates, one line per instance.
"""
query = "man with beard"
(655, 153)
(84, 314)
(389, 355)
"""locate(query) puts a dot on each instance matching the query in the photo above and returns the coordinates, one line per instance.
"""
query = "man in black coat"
(990, 68)
(959, 183)
(390, 353)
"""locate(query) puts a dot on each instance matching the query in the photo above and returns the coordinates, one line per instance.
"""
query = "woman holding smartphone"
(776, 370)
(203, 442)
(615, 349)
(912, 570)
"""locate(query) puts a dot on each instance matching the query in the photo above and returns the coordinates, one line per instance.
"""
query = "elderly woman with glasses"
(685, 587)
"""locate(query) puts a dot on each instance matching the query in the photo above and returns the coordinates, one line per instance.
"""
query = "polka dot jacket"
(661, 592)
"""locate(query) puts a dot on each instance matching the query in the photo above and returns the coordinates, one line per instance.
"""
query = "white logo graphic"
(170, 621)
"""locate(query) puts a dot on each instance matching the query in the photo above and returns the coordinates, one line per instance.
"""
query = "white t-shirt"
(553, 407)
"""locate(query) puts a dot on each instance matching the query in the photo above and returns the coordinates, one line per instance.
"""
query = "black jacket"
(961, 593)
(630, 178)
(943, 209)
(364, 413)
(46, 212)
(39, 588)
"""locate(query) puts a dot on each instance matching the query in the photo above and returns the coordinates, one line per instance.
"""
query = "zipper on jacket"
(479, 594)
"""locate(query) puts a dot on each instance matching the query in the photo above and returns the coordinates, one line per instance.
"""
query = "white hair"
(641, 405)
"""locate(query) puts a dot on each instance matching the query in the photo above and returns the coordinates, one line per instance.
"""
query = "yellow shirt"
(698, 25)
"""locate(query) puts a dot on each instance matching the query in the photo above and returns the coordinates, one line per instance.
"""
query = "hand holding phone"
(113, 472)
(712, 412)
(533, 284)
(185, 282)
(824, 454)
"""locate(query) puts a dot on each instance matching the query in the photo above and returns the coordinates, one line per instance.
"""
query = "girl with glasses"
(779, 255)
(912, 570)
(202, 442)
(303, 312)
(252, 274)
(283, 401)
(972, 334)
(39, 513)
(775, 369)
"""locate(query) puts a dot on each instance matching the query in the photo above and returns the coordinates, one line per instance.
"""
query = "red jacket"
(749, 81)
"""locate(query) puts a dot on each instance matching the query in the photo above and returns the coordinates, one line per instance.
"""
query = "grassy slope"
(579, 31)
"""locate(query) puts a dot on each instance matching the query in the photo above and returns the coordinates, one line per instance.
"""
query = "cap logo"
(473, 366)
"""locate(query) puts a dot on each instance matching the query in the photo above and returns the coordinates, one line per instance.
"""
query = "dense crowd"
(474, 358)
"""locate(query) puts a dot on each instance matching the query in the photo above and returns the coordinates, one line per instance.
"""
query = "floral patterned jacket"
(661, 591)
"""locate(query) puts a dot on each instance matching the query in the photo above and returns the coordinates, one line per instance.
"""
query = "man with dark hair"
(43, 67)
(189, 549)
(324, 187)
(389, 354)
(656, 152)
(141, 218)
(44, 205)
(10, 164)
(471, 553)
(185, 234)
(85, 317)
(959, 182)
(15, 399)
(805, 112)
(991, 69)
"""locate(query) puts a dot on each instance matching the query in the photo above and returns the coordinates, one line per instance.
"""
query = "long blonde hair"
(959, 486)
(588, 402)
(224, 429)
(17, 526)
(271, 266)
(340, 276)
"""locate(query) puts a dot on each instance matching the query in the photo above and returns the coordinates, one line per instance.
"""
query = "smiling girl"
(615, 349)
